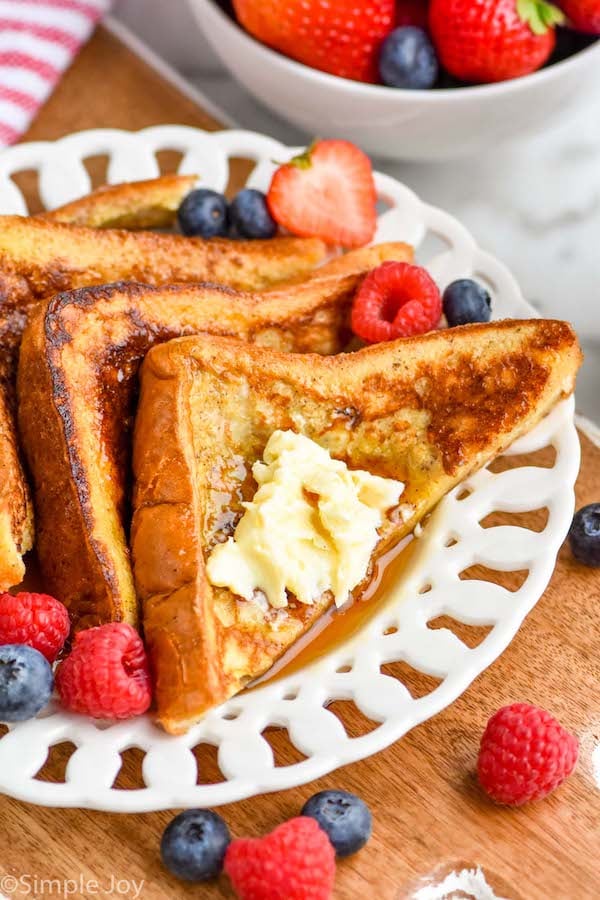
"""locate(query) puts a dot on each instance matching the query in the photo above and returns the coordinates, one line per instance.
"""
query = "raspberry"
(106, 675)
(396, 300)
(524, 755)
(37, 620)
(294, 862)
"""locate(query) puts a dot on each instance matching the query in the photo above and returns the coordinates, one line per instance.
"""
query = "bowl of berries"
(411, 79)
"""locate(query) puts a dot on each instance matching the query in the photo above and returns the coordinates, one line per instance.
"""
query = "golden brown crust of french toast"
(133, 205)
(40, 258)
(16, 511)
(77, 377)
(16, 508)
(427, 411)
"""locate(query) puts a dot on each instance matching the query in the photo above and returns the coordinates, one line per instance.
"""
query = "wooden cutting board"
(430, 818)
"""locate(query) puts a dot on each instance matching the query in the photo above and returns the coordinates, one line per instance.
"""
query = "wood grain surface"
(430, 817)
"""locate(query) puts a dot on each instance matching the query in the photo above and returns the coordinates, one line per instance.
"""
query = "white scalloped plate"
(398, 629)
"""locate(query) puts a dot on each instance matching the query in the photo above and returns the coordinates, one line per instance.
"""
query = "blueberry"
(250, 217)
(204, 213)
(466, 301)
(584, 535)
(407, 59)
(193, 845)
(344, 817)
(26, 682)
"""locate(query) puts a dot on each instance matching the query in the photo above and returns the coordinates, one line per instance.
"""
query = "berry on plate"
(408, 60)
(524, 754)
(583, 15)
(584, 535)
(395, 300)
(203, 213)
(466, 301)
(25, 682)
(193, 845)
(341, 38)
(412, 12)
(106, 674)
(37, 620)
(493, 40)
(327, 192)
(295, 862)
(344, 817)
(249, 215)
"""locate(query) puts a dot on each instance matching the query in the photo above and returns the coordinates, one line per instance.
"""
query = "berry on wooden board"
(524, 754)
(344, 817)
(584, 535)
(296, 861)
(193, 845)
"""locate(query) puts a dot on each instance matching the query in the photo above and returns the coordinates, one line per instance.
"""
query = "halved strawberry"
(327, 192)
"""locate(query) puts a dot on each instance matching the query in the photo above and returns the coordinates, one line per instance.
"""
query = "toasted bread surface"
(137, 204)
(39, 258)
(16, 508)
(426, 411)
(77, 379)
(16, 511)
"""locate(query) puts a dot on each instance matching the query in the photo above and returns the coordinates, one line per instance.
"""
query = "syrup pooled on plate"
(337, 626)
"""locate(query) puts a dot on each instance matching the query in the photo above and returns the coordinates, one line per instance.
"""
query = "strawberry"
(328, 192)
(493, 40)
(341, 38)
(583, 15)
(411, 12)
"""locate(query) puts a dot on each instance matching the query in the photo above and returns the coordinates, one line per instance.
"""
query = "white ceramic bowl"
(400, 124)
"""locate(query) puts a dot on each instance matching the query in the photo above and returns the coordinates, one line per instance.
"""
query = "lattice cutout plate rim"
(245, 758)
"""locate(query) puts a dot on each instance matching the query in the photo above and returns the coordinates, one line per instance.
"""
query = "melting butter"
(311, 526)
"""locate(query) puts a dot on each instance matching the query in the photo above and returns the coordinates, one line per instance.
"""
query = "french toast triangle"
(16, 508)
(426, 411)
(77, 380)
(132, 205)
(39, 258)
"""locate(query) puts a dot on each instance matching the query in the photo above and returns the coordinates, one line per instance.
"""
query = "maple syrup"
(337, 626)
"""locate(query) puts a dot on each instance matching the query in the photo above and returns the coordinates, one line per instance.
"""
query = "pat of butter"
(311, 526)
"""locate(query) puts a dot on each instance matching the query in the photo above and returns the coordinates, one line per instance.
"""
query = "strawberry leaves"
(540, 15)
(304, 160)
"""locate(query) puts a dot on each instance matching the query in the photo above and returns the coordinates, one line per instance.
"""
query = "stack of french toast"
(143, 375)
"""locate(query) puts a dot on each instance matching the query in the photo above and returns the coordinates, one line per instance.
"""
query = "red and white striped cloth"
(38, 40)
